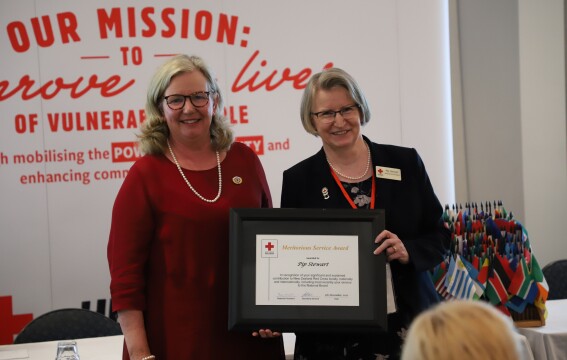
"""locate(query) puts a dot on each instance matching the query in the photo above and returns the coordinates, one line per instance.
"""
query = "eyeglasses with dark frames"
(197, 99)
(328, 116)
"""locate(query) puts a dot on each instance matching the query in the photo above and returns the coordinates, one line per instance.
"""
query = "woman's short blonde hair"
(326, 80)
(462, 329)
(154, 130)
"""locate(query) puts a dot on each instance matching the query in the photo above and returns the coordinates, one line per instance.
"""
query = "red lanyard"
(352, 204)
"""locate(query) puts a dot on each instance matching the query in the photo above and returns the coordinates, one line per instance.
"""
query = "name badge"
(383, 172)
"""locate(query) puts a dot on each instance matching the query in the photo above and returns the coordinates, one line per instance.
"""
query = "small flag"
(483, 273)
(495, 290)
(473, 273)
(522, 281)
(517, 304)
(459, 283)
(502, 267)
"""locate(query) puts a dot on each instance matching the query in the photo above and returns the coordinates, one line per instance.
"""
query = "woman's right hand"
(266, 333)
(392, 246)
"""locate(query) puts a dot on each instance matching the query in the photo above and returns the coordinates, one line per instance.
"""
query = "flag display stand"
(491, 259)
(531, 317)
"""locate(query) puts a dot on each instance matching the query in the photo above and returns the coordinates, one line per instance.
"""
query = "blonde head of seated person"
(463, 330)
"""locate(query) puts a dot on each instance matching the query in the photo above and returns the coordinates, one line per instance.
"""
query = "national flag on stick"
(517, 304)
(495, 290)
(522, 281)
(473, 273)
(459, 283)
(482, 276)
(502, 267)
(541, 283)
(440, 275)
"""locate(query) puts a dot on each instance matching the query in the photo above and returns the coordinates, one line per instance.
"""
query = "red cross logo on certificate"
(380, 171)
(269, 248)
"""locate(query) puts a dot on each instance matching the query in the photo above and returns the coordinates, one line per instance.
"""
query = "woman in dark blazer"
(350, 171)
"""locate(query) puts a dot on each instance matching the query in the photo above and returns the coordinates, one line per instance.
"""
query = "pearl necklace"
(349, 177)
(189, 184)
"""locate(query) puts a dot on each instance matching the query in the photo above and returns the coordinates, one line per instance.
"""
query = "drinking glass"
(67, 350)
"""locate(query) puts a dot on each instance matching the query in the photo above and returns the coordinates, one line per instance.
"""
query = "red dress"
(168, 255)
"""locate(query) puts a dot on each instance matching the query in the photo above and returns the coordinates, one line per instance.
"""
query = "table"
(100, 348)
(550, 341)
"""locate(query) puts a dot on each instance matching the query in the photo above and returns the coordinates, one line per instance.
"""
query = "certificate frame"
(245, 315)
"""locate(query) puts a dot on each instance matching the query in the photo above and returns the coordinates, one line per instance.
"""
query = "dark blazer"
(412, 210)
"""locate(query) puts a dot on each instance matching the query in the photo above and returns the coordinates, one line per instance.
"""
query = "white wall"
(488, 37)
(543, 124)
(425, 89)
(509, 113)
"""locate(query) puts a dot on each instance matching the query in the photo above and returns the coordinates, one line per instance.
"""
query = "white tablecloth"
(549, 342)
(101, 348)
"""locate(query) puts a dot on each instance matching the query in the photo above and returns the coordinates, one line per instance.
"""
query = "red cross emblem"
(269, 246)
(11, 324)
(380, 171)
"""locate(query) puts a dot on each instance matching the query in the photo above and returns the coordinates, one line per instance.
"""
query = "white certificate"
(307, 270)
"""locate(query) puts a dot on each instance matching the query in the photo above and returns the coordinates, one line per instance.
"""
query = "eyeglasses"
(198, 99)
(328, 116)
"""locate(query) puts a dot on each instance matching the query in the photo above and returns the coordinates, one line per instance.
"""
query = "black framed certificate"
(303, 270)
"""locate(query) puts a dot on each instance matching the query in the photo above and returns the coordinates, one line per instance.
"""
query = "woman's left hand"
(266, 333)
(393, 247)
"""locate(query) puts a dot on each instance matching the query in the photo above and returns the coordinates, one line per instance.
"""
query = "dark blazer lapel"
(383, 192)
(320, 171)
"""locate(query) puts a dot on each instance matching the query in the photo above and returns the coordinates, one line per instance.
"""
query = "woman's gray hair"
(326, 80)
(154, 130)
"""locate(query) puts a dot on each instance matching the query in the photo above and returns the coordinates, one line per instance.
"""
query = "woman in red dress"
(168, 245)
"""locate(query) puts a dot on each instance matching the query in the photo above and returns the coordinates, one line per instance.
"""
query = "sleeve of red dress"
(129, 243)
(266, 195)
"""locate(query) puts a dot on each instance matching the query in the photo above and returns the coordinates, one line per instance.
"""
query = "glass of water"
(67, 350)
